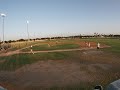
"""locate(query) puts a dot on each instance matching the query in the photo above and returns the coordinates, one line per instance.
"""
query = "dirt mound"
(50, 73)
(56, 73)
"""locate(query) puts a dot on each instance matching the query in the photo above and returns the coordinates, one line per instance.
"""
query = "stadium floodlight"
(3, 16)
(28, 30)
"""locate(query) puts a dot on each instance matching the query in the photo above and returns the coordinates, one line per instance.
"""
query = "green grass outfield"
(55, 47)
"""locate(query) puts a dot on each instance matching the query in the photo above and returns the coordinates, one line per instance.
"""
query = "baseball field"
(60, 64)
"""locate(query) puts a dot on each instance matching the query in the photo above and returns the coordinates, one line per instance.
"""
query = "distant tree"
(6, 41)
(9, 41)
(21, 40)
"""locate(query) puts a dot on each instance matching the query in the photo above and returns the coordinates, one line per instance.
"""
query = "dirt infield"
(92, 45)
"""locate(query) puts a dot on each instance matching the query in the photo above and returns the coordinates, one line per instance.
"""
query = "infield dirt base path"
(62, 50)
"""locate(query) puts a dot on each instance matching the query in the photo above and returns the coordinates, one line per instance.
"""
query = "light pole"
(28, 30)
(3, 16)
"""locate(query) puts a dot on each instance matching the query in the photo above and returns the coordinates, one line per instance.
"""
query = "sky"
(59, 17)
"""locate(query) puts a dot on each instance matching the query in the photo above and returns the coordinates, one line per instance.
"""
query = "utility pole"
(3, 16)
(28, 30)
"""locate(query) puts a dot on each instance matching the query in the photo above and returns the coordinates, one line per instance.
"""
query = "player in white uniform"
(98, 45)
